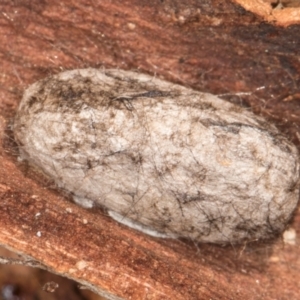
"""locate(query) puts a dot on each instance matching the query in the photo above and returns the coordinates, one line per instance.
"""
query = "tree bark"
(213, 46)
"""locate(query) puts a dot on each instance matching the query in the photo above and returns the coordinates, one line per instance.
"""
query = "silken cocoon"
(162, 158)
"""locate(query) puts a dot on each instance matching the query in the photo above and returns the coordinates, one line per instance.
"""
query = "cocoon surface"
(162, 158)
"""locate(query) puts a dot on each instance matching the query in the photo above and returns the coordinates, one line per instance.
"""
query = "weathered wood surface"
(213, 46)
(279, 12)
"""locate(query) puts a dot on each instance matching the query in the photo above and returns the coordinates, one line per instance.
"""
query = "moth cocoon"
(161, 158)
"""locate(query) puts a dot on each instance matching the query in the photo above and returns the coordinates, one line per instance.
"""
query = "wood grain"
(213, 46)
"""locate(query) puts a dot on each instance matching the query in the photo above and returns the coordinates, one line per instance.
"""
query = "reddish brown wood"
(213, 46)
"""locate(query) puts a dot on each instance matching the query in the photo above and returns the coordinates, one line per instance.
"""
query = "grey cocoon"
(162, 158)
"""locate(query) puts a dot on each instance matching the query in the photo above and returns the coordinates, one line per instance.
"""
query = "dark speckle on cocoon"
(161, 158)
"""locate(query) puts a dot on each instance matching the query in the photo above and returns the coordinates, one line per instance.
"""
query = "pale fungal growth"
(160, 157)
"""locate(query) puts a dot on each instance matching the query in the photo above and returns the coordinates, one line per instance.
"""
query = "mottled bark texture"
(212, 46)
